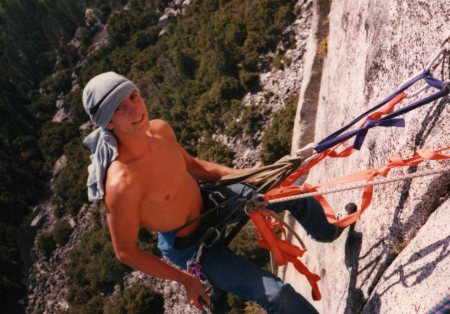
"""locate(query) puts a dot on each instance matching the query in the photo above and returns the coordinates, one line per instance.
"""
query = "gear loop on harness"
(216, 202)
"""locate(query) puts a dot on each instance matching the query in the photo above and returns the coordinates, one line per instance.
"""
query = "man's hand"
(196, 293)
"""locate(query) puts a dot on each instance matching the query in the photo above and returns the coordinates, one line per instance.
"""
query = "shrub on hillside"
(215, 151)
(61, 232)
(59, 236)
(277, 139)
(250, 80)
(59, 82)
(135, 300)
(53, 138)
(92, 272)
(251, 119)
(70, 186)
(46, 244)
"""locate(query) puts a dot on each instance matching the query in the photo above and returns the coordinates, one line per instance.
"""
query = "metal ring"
(213, 200)
(246, 209)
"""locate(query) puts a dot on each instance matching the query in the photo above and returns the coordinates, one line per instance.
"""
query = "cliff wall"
(395, 258)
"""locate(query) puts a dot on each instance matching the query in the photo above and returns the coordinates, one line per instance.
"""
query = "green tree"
(46, 244)
(92, 272)
(215, 151)
(70, 187)
(277, 139)
(61, 232)
(137, 299)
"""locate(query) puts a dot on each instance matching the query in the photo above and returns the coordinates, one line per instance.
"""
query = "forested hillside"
(192, 71)
(29, 47)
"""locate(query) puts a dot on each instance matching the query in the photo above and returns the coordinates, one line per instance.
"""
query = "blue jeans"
(231, 273)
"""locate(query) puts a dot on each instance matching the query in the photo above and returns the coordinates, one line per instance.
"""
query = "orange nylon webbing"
(332, 152)
(266, 222)
(285, 252)
(367, 175)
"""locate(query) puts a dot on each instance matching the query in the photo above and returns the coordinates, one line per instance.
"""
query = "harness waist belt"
(181, 243)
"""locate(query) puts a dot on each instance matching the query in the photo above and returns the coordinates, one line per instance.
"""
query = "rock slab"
(395, 258)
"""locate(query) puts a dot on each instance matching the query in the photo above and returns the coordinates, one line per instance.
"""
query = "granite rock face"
(395, 258)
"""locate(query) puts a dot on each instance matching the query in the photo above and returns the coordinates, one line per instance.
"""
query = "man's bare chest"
(159, 174)
(171, 196)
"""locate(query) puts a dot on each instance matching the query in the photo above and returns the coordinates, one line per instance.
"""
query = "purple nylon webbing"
(377, 106)
(434, 82)
(418, 103)
(361, 134)
(386, 121)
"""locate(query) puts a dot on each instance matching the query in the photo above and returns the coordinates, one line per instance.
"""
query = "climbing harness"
(212, 235)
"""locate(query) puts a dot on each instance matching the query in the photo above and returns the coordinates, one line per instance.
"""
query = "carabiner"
(208, 233)
(255, 203)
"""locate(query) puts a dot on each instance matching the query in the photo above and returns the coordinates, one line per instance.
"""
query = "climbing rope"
(282, 190)
(355, 186)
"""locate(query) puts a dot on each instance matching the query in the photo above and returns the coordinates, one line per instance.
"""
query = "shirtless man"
(149, 182)
(147, 179)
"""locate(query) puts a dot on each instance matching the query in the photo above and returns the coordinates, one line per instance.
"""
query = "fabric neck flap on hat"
(103, 145)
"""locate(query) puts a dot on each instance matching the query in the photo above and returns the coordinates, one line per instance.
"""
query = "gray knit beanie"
(103, 93)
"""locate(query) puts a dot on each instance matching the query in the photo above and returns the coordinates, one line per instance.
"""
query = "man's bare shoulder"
(121, 186)
(162, 128)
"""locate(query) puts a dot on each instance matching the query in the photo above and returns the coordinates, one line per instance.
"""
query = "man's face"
(130, 115)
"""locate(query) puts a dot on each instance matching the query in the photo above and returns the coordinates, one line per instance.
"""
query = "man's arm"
(206, 170)
(122, 200)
